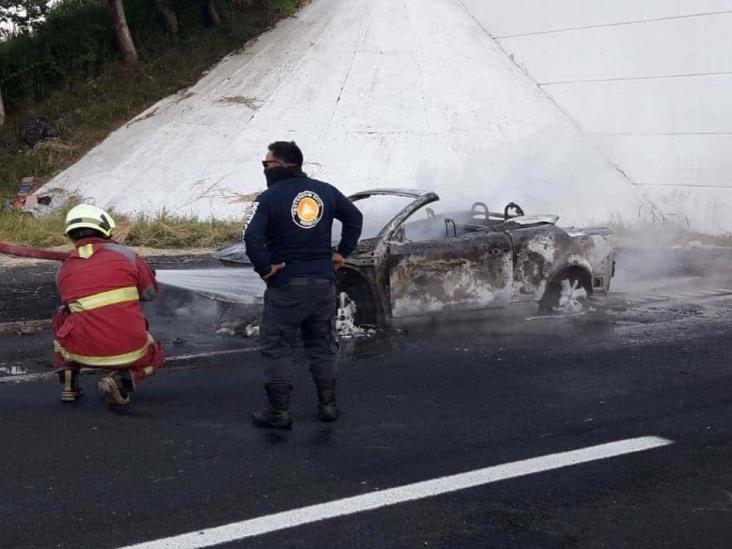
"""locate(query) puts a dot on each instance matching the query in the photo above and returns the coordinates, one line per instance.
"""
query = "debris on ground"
(244, 327)
(24, 327)
(13, 370)
(226, 331)
(28, 201)
(346, 327)
(36, 130)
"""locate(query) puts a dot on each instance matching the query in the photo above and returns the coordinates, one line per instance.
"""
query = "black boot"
(327, 407)
(277, 416)
(70, 389)
(116, 388)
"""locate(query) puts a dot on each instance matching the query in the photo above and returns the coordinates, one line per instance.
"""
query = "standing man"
(101, 324)
(288, 240)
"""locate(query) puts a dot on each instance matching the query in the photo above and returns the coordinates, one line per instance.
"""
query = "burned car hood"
(234, 255)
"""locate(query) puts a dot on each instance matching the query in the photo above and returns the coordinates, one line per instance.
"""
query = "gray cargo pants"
(306, 305)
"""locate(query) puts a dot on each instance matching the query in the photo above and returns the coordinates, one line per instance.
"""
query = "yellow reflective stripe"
(114, 360)
(86, 251)
(111, 297)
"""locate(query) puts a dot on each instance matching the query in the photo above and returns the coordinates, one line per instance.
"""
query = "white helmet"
(86, 216)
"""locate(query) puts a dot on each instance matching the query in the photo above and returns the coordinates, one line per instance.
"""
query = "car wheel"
(568, 294)
(349, 320)
(356, 288)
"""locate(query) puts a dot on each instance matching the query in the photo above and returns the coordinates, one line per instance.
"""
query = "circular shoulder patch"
(307, 210)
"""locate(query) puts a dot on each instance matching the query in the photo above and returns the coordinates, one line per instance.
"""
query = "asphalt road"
(438, 400)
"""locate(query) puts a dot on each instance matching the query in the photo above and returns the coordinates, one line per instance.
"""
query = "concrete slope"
(377, 93)
(649, 81)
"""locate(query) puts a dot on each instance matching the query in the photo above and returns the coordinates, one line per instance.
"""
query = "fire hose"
(25, 251)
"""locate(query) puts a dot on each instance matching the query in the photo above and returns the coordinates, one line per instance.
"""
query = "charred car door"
(464, 272)
(538, 251)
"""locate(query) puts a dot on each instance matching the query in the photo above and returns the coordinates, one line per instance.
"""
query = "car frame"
(472, 260)
(484, 260)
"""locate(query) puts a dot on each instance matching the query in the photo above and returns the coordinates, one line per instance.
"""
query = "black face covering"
(278, 173)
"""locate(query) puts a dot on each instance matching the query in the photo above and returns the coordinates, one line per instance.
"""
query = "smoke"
(555, 171)
(654, 256)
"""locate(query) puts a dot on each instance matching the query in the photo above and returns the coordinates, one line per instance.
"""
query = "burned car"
(421, 262)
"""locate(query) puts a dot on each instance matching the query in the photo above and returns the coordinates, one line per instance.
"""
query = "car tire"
(567, 294)
(357, 292)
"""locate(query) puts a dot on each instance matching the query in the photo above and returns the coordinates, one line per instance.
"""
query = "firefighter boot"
(116, 388)
(277, 415)
(70, 389)
(327, 407)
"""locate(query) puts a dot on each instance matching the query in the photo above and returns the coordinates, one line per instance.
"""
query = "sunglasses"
(266, 163)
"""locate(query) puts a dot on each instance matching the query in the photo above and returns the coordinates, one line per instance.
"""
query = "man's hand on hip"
(338, 261)
(273, 270)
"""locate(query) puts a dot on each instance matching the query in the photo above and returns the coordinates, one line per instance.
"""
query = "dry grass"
(163, 231)
(167, 231)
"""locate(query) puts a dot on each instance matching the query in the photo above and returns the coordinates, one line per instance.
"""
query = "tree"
(213, 15)
(18, 16)
(2, 109)
(122, 32)
(168, 16)
(21, 15)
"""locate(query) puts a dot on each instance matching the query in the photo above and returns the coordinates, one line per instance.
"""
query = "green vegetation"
(160, 231)
(69, 71)
(21, 228)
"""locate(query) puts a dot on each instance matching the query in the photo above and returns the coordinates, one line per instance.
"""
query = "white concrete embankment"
(377, 93)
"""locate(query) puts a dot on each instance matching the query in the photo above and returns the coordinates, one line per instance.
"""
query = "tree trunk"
(2, 110)
(168, 15)
(122, 31)
(213, 15)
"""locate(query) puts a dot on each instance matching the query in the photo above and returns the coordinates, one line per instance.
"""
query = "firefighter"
(288, 240)
(100, 324)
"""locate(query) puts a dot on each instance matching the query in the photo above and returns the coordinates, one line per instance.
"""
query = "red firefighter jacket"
(101, 285)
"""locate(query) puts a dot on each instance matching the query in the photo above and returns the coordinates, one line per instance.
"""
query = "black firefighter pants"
(306, 305)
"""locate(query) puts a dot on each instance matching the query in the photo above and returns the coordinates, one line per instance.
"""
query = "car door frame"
(464, 273)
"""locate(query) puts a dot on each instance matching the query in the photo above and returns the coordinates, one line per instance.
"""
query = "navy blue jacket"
(292, 221)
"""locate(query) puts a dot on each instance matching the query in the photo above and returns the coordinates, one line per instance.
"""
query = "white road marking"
(393, 496)
(179, 358)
